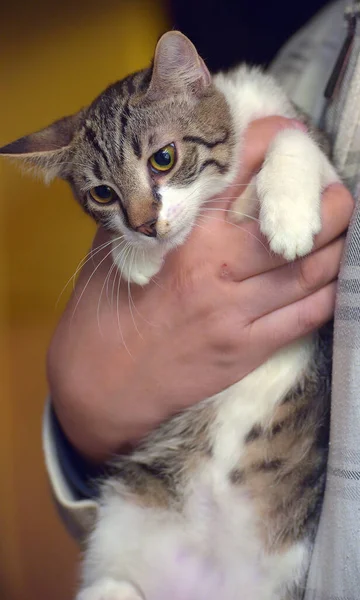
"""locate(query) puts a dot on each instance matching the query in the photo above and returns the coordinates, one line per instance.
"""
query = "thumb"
(257, 138)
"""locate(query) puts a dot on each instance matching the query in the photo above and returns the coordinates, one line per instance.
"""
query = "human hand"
(221, 305)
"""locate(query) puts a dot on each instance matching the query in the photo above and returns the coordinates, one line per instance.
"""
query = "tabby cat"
(222, 501)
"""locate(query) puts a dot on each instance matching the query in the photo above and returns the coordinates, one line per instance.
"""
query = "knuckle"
(224, 335)
(312, 273)
(308, 317)
(347, 198)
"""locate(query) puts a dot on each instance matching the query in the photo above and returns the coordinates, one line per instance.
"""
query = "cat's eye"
(103, 194)
(164, 159)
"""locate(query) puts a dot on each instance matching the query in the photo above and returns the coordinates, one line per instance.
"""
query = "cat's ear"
(177, 66)
(45, 150)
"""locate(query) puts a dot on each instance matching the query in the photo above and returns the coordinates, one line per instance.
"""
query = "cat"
(222, 500)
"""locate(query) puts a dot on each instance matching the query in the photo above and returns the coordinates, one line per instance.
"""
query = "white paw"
(289, 190)
(109, 589)
(290, 229)
(136, 266)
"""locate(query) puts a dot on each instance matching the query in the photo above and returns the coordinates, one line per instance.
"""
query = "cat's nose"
(148, 228)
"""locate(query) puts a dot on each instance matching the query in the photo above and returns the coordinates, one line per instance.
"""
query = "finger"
(290, 283)
(292, 322)
(254, 256)
(256, 141)
(258, 136)
(336, 210)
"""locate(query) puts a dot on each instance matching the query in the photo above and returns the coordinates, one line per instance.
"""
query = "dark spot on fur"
(124, 117)
(254, 433)
(91, 136)
(269, 465)
(136, 146)
(97, 171)
(145, 79)
(237, 476)
(212, 162)
(313, 476)
(277, 428)
(156, 193)
(130, 84)
(194, 139)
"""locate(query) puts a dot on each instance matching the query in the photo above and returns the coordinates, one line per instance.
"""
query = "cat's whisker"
(103, 286)
(102, 247)
(107, 284)
(99, 301)
(133, 303)
(251, 183)
(243, 186)
(201, 227)
(245, 230)
(235, 212)
(105, 245)
(81, 264)
(125, 253)
(117, 273)
(154, 280)
(161, 287)
(130, 299)
(88, 281)
(224, 199)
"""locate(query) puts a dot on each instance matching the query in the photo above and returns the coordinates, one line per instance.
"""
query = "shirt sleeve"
(73, 482)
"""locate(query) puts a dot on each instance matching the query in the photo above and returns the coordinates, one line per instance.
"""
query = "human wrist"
(98, 420)
(82, 475)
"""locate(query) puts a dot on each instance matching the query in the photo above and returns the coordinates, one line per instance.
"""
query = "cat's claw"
(109, 589)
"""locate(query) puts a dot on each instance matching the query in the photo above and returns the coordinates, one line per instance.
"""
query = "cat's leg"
(137, 265)
(289, 188)
(109, 589)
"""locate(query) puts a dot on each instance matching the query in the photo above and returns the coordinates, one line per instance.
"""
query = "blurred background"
(56, 57)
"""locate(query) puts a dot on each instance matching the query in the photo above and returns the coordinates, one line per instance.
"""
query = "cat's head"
(146, 153)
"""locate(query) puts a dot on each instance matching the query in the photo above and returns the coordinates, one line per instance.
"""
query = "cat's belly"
(226, 562)
(212, 551)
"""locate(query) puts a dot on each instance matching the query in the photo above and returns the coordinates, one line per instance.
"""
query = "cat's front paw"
(136, 266)
(109, 589)
(289, 230)
(289, 189)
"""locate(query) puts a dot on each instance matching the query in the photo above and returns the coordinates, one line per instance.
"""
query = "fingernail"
(335, 185)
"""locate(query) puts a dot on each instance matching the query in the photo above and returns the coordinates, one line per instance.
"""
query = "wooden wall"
(55, 57)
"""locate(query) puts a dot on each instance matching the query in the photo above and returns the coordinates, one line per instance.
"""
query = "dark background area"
(227, 32)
